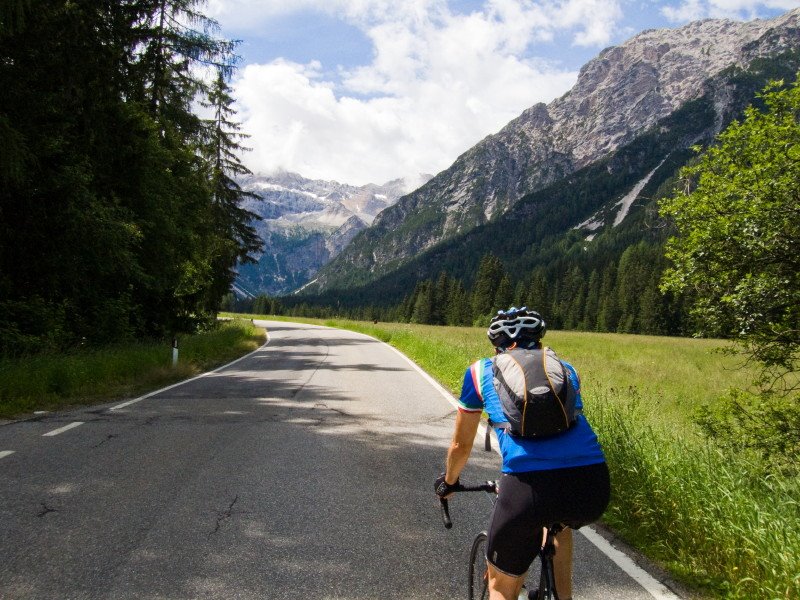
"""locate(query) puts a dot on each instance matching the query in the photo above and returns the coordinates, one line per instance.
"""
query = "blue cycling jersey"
(576, 447)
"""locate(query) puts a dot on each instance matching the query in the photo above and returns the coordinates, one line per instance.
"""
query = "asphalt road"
(302, 471)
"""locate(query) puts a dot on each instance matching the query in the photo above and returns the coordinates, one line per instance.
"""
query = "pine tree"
(458, 307)
(102, 178)
(236, 239)
(441, 300)
(13, 15)
(423, 307)
(504, 297)
(174, 38)
(592, 306)
(609, 311)
(520, 294)
(490, 275)
(538, 298)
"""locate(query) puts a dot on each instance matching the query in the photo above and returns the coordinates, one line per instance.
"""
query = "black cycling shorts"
(527, 502)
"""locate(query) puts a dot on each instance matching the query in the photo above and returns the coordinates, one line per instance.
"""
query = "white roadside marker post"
(174, 352)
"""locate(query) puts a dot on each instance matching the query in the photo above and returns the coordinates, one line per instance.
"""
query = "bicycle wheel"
(478, 573)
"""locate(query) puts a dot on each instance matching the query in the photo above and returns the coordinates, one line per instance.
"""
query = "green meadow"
(59, 380)
(710, 516)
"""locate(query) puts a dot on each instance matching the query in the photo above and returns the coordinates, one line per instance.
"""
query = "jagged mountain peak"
(623, 92)
(306, 222)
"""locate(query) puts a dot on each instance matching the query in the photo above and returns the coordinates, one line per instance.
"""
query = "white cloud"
(438, 82)
(689, 10)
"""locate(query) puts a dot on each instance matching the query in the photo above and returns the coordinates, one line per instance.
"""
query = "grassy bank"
(708, 515)
(54, 381)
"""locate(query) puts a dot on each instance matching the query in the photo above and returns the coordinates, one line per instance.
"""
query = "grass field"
(53, 381)
(710, 516)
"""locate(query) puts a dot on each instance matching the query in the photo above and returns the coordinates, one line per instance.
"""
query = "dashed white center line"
(63, 429)
(4, 453)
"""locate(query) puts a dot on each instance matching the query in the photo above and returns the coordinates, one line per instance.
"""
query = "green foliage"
(52, 381)
(705, 511)
(738, 242)
(234, 236)
(766, 424)
(485, 296)
(110, 224)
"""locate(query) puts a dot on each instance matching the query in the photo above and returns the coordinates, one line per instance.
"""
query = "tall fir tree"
(236, 239)
(484, 292)
(592, 306)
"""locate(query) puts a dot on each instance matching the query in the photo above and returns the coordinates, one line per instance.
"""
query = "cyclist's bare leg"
(502, 586)
(562, 564)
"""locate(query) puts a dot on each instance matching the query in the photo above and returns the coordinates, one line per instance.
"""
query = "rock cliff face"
(623, 92)
(305, 224)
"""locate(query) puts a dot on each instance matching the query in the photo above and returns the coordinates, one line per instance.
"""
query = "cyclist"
(548, 479)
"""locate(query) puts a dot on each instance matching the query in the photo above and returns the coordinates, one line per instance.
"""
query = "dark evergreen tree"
(504, 297)
(538, 298)
(458, 307)
(484, 292)
(609, 311)
(592, 306)
(441, 300)
(236, 238)
(423, 306)
(520, 294)
(107, 226)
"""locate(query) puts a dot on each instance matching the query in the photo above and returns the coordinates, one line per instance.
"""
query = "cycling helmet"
(515, 325)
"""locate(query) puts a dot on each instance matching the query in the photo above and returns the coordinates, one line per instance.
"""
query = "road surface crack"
(296, 392)
(45, 509)
(224, 516)
(110, 436)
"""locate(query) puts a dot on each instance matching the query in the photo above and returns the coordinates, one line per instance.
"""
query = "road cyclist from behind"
(553, 468)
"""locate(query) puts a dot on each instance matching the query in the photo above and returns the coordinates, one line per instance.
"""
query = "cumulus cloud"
(437, 83)
(689, 10)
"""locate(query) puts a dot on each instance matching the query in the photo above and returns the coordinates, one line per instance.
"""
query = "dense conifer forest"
(120, 215)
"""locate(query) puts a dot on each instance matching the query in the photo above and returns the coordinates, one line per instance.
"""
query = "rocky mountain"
(305, 224)
(625, 93)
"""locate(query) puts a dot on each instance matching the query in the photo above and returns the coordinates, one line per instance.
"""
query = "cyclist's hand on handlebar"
(444, 489)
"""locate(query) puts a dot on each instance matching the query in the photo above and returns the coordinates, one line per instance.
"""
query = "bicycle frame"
(547, 585)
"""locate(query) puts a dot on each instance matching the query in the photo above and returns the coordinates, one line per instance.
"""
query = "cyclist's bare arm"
(461, 445)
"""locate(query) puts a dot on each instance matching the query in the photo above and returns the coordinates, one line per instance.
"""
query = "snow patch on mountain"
(304, 224)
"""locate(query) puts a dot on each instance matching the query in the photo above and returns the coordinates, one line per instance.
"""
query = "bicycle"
(478, 570)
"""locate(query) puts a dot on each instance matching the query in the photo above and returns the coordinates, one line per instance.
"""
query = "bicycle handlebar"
(489, 487)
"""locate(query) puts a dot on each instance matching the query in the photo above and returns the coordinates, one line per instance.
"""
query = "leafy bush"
(766, 424)
(705, 510)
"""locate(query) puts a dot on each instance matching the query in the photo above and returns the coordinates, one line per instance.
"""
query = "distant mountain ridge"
(306, 222)
(623, 93)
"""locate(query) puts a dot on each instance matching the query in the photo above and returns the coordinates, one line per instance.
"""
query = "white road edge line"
(650, 584)
(174, 385)
(4, 453)
(655, 588)
(63, 429)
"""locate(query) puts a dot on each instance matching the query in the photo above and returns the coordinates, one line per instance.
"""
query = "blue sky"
(370, 90)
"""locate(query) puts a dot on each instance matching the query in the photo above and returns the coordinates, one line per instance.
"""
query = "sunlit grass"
(53, 381)
(709, 515)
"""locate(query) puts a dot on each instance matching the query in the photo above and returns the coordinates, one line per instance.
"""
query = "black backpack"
(536, 395)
